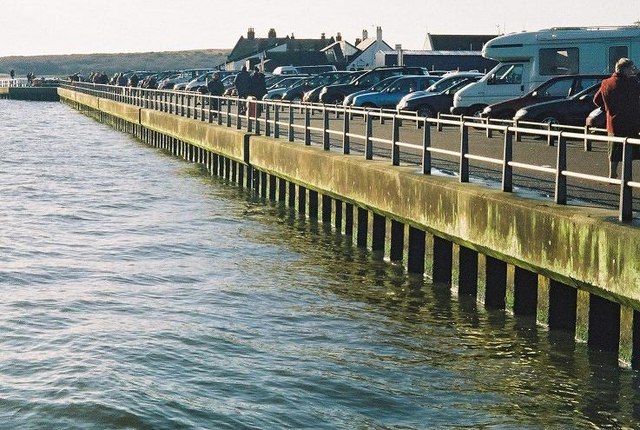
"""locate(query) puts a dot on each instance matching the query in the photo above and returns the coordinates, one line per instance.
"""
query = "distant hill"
(64, 65)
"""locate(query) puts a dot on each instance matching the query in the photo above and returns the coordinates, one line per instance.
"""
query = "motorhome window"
(508, 74)
(559, 61)
(616, 53)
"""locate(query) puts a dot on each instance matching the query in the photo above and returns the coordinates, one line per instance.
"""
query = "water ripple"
(139, 294)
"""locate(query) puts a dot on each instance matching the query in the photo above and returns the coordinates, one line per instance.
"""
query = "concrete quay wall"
(30, 93)
(581, 247)
(586, 255)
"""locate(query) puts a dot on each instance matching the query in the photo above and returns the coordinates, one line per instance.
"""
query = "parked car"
(429, 104)
(182, 77)
(201, 81)
(390, 96)
(571, 111)
(348, 100)
(276, 91)
(332, 94)
(443, 83)
(296, 92)
(313, 96)
(558, 87)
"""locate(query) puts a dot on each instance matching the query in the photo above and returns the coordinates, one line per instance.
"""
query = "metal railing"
(17, 82)
(332, 127)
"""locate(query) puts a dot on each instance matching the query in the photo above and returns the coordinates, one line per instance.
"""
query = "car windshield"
(456, 86)
(445, 83)
(347, 78)
(403, 84)
(285, 83)
(383, 84)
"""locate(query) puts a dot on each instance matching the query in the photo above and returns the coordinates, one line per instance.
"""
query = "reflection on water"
(139, 293)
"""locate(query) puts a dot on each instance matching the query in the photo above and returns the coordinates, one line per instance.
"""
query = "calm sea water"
(139, 293)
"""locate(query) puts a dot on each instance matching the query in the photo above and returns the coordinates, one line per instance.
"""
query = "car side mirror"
(492, 79)
(534, 94)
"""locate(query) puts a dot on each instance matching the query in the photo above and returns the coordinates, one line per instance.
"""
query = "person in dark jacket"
(215, 88)
(619, 97)
(258, 85)
(243, 83)
(243, 86)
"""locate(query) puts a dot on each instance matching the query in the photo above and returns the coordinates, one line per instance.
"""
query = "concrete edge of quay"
(48, 94)
(583, 248)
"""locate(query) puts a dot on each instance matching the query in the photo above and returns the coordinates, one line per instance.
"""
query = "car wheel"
(549, 118)
(426, 111)
(296, 99)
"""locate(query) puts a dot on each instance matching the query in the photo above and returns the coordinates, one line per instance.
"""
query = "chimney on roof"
(272, 33)
(365, 34)
(251, 34)
(322, 36)
(292, 36)
(358, 41)
(338, 37)
(379, 34)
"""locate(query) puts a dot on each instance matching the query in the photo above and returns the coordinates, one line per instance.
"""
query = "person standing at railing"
(243, 85)
(258, 87)
(619, 97)
(215, 88)
(12, 73)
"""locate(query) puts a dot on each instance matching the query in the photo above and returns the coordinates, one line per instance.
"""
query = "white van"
(528, 59)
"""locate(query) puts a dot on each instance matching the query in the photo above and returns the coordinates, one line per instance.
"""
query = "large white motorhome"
(528, 59)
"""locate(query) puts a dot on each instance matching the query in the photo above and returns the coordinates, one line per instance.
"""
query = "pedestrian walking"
(258, 88)
(619, 97)
(243, 85)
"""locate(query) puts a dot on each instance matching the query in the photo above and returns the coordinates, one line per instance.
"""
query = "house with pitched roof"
(368, 48)
(272, 51)
(340, 53)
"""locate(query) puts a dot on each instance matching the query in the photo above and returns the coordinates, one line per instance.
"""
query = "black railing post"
(550, 136)
(368, 151)
(395, 137)
(464, 150)
(276, 121)
(326, 142)
(426, 144)
(290, 124)
(561, 166)
(346, 144)
(239, 115)
(307, 124)
(507, 170)
(626, 192)
(587, 141)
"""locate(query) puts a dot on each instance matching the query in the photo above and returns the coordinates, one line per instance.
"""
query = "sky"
(36, 27)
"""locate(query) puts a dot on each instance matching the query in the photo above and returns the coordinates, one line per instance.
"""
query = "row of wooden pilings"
(492, 281)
